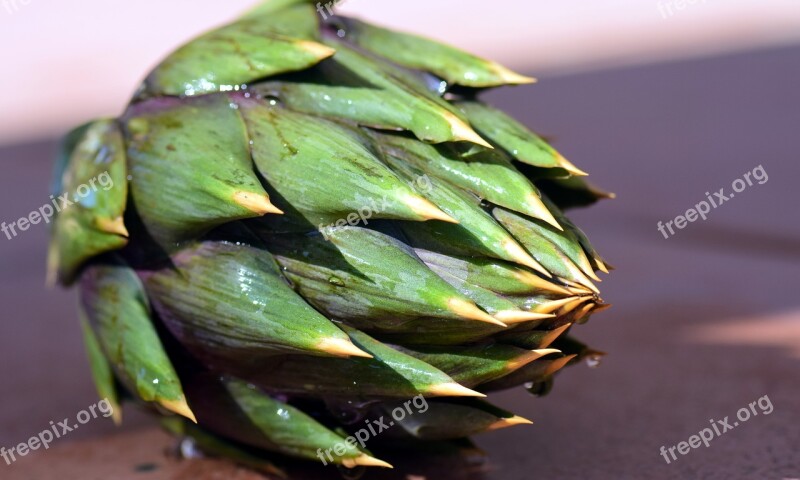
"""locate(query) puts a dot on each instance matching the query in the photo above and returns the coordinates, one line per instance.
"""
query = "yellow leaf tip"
(316, 49)
(521, 256)
(592, 275)
(116, 416)
(552, 306)
(179, 406)
(552, 335)
(538, 283)
(539, 210)
(365, 461)
(558, 364)
(255, 202)
(461, 131)
(427, 210)
(466, 309)
(341, 347)
(601, 265)
(115, 226)
(511, 77)
(453, 389)
(528, 357)
(510, 317)
(508, 422)
(569, 166)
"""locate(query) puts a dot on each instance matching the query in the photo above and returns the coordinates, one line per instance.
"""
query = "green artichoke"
(308, 218)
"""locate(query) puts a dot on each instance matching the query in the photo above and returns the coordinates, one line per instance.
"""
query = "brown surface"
(704, 322)
(148, 455)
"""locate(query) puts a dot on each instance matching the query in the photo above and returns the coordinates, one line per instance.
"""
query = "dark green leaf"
(229, 300)
(102, 374)
(114, 301)
(547, 245)
(89, 210)
(302, 157)
(512, 136)
(451, 418)
(453, 65)
(486, 173)
(228, 58)
(495, 275)
(369, 280)
(389, 374)
(191, 168)
(358, 88)
(477, 232)
(534, 372)
(474, 365)
(286, 428)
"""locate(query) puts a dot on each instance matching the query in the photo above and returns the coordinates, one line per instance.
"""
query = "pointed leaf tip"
(510, 317)
(569, 307)
(558, 364)
(317, 49)
(578, 290)
(451, 64)
(552, 335)
(540, 283)
(509, 422)
(524, 258)
(552, 306)
(255, 202)
(540, 211)
(178, 406)
(511, 77)
(601, 265)
(569, 166)
(453, 390)
(590, 273)
(463, 132)
(365, 461)
(469, 310)
(115, 226)
(530, 356)
(599, 307)
(428, 210)
(341, 347)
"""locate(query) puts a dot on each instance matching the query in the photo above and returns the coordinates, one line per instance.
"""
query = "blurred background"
(68, 62)
(660, 100)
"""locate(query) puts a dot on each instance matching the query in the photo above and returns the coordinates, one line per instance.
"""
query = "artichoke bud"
(296, 213)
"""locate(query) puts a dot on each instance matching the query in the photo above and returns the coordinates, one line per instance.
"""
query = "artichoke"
(313, 221)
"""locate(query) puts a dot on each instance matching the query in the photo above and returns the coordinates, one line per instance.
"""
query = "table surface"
(704, 322)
